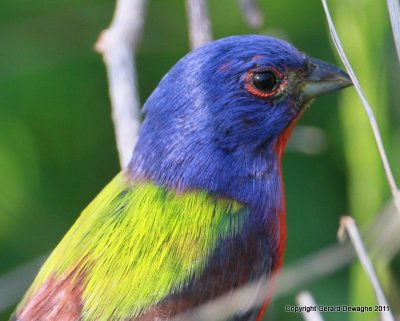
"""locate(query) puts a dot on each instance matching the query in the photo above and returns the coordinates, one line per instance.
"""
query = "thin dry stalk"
(199, 23)
(252, 13)
(394, 13)
(348, 227)
(305, 299)
(117, 44)
(380, 240)
(367, 107)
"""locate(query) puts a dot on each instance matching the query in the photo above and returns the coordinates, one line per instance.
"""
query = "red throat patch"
(285, 135)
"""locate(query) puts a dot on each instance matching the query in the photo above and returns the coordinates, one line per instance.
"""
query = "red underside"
(279, 149)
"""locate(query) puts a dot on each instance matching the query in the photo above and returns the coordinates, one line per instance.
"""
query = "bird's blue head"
(215, 119)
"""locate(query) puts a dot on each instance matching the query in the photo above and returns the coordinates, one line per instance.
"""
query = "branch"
(304, 272)
(367, 107)
(307, 270)
(252, 13)
(394, 13)
(384, 235)
(199, 24)
(117, 44)
(381, 237)
(349, 227)
(305, 299)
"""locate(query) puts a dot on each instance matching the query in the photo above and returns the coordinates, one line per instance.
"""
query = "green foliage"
(367, 186)
(57, 146)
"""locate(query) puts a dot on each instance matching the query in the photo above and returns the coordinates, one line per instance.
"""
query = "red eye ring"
(265, 82)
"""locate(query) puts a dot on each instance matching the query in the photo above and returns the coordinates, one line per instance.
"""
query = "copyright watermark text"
(336, 308)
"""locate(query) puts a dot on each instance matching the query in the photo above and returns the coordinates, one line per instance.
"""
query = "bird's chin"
(306, 104)
(303, 104)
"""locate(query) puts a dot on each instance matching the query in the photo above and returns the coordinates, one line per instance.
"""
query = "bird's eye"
(264, 80)
(264, 83)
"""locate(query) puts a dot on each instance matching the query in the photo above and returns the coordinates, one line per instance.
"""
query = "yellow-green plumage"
(138, 242)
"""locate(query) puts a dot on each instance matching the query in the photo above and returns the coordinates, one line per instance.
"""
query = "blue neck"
(247, 176)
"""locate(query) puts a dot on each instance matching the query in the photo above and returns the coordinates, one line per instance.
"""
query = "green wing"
(135, 244)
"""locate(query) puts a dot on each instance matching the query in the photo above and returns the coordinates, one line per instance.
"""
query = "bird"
(200, 210)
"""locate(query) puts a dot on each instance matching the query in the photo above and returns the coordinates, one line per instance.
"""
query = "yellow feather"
(137, 243)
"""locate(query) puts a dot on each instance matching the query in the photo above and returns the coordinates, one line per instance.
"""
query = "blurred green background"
(57, 147)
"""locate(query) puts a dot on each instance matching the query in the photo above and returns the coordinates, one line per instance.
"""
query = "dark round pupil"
(264, 80)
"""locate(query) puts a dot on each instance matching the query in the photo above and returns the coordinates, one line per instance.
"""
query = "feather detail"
(280, 229)
(132, 246)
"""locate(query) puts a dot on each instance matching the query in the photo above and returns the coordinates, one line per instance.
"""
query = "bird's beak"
(323, 78)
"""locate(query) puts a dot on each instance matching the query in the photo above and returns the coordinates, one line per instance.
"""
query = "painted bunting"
(200, 211)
